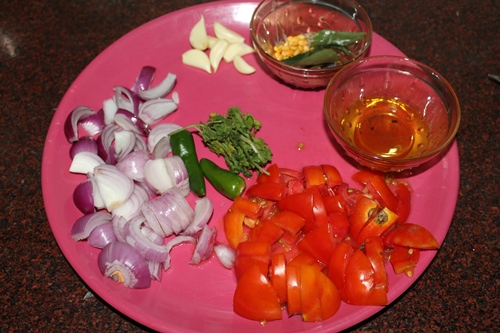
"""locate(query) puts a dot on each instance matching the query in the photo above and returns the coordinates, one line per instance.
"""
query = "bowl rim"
(389, 161)
(314, 71)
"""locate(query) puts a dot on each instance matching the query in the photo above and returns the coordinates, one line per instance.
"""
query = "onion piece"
(155, 270)
(155, 110)
(225, 254)
(162, 148)
(86, 143)
(115, 187)
(132, 165)
(159, 132)
(204, 245)
(156, 174)
(105, 143)
(83, 197)
(109, 108)
(102, 235)
(123, 263)
(177, 172)
(144, 79)
(119, 223)
(127, 99)
(176, 241)
(161, 90)
(84, 225)
(132, 207)
(124, 143)
(98, 202)
(203, 210)
(71, 123)
(93, 124)
(85, 162)
(131, 122)
(147, 247)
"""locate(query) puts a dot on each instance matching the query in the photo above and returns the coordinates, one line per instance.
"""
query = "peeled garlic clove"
(237, 49)
(217, 52)
(198, 36)
(197, 58)
(242, 66)
(211, 41)
(229, 35)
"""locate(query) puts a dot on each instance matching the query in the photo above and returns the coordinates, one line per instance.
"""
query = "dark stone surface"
(44, 45)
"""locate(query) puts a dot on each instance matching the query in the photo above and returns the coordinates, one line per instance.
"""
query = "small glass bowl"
(274, 20)
(391, 113)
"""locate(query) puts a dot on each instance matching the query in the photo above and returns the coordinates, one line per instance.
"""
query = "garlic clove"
(211, 41)
(197, 58)
(242, 66)
(237, 49)
(198, 36)
(229, 35)
(217, 52)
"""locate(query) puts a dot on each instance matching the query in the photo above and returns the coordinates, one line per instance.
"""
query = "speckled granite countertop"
(44, 45)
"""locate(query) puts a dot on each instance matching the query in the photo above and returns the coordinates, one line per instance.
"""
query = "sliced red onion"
(98, 202)
(178, 240)
(148, 232)
(131, 122)
(225, 254)
(71, 123)
(156, 174)
(175, 97)
(133, 164)
(102, 235)
(84, 225)
(115, 187)
(159, 132)
(161, 90)
(105, 143)
(140, 144)
(109, 108)
(155, 110)
(93, 124)
(132, 207)
(204, 245)
(155, 270)
(127, 99)
(124, 264)
(83, 197)
(147, 247)
(86, 143)
(119, 223)
(169, 213)
(148, 188)
(162, 148)
(124, 143)
(144, 79)
(85, 162)
(177, 172)
(203, 210)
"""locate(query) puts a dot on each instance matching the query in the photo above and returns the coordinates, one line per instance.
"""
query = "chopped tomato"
(404, 202)
(329, 296)
(233, 228)
(375, 183)
(269, 191)
(339, 224)
(363, 176)
(309, 294)
(294, 304)
(313, 175)
(318, 243)
(338, 264)
(364, 209)
(273, 176)
(250, 208)
(294, 186)
(255, 298)
(332, 176)
(360, 287)
(306, 259)
(289, 221)
(277, 275)
(374, 249)
(300, 203)
(404, 259)
(379, 224)
(411, 235)
(334, 204)
(250, 254)
(265, 231)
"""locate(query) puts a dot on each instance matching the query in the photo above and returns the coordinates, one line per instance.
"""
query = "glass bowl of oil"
(391, 113)
(335, 33)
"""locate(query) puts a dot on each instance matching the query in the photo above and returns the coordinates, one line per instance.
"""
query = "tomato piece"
(411, 235)
(289, 221)
(376, 185)
(338, 264)
(313, 175)
(233, 228)
(255, 298)
(334, 204)
(266, 231)
(289, 174)
(404, 259)
(277, 275)
(404, 202)
(274, 175)
(310, 294)
(363, 177)
(379, 224)
(339, 224)
(364, 209)
(329, 296)
(360, 287)
(332, 175)
(319, 210)
(250, 254)
(306, 259)
(294, 186)
(318, 243)
(374, 249)
(269, 191)
(300, 203)
(246, 206)
(293, 304)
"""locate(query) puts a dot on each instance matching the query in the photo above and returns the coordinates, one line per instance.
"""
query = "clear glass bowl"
(391, 113)
(273, 20)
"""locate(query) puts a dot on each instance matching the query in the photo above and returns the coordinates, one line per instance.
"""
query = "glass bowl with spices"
(391, 113)
(305, 42)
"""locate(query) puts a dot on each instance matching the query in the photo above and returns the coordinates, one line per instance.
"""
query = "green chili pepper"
(224, 181)
(182, 144)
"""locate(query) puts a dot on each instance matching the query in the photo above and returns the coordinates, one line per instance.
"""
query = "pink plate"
(199, 298)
